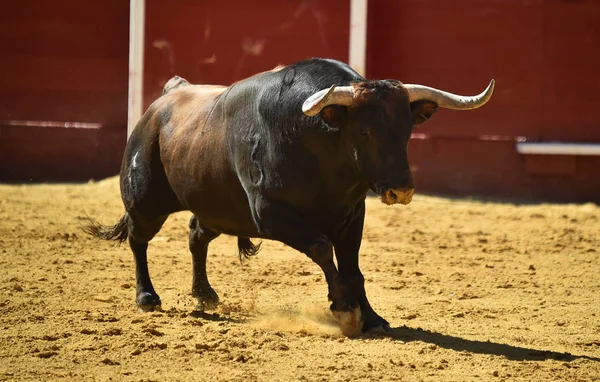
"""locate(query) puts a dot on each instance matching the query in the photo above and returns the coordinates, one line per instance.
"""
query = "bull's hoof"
(148, 302)
(351, 322)
(208, 300)
(384, 329)
(374, 323)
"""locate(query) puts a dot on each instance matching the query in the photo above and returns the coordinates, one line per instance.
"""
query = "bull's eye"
(365, 132)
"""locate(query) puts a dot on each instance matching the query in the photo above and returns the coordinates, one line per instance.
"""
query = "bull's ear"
(422, 111)
(334, 116)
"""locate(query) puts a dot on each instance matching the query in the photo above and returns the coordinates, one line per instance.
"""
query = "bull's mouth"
(397, 196)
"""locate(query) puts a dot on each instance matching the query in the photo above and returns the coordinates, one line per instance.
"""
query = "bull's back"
(194, 152)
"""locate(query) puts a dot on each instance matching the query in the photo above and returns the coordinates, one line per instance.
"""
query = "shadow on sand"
(518, 353)
(215, 317)
(199, 315)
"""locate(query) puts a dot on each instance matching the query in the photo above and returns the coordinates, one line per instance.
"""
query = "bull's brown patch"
(388, 93)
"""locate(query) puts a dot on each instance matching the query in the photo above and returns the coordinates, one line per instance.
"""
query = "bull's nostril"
(392, 195)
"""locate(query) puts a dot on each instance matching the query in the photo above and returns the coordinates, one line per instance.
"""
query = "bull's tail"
(246, 248)
(117, 232)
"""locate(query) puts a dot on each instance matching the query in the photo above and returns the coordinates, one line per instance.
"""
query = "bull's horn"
(449, 100)
(341, 95)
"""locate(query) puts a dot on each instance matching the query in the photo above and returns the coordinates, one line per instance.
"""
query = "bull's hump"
(192, 94)
(207, 89)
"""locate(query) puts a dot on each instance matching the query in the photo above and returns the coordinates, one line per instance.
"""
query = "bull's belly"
(212, 193)
(224, 214)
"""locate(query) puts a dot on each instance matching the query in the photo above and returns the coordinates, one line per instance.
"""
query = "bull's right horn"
(341, 95)
(449, 100)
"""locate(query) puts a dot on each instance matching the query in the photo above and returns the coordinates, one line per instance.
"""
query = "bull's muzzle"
(398, 195)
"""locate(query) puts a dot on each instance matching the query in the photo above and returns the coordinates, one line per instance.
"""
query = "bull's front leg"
(347, 246)
(278, 222)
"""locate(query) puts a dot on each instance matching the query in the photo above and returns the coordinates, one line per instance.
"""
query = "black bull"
(282, 155)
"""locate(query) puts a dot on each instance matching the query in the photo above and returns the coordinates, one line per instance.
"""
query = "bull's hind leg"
(147, 196)
(200, 237)
(140, 233)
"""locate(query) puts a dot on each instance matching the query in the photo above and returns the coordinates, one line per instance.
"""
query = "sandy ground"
(476, 291)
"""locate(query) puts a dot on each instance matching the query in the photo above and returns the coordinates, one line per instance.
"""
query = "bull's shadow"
(517, 353)
(200, 315)
(215, 317)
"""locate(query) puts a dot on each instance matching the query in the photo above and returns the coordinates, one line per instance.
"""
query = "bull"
(287, 155)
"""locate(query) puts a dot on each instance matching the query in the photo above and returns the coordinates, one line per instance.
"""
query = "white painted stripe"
(358, 35)
(137, 10)
(558, 148)
(60, 124)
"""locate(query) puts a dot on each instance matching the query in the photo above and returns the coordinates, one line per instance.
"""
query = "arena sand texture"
(477, 291)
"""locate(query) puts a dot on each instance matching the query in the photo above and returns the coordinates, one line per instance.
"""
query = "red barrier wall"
(66, 61)
(62, 61)
(222, 42)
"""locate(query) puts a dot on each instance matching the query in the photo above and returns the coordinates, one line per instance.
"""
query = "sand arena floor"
(478, 291)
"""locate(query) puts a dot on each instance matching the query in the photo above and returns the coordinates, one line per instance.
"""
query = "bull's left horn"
(449, 100)
(341, 95)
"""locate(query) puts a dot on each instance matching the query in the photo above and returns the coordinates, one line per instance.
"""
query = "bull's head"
(377, 118)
